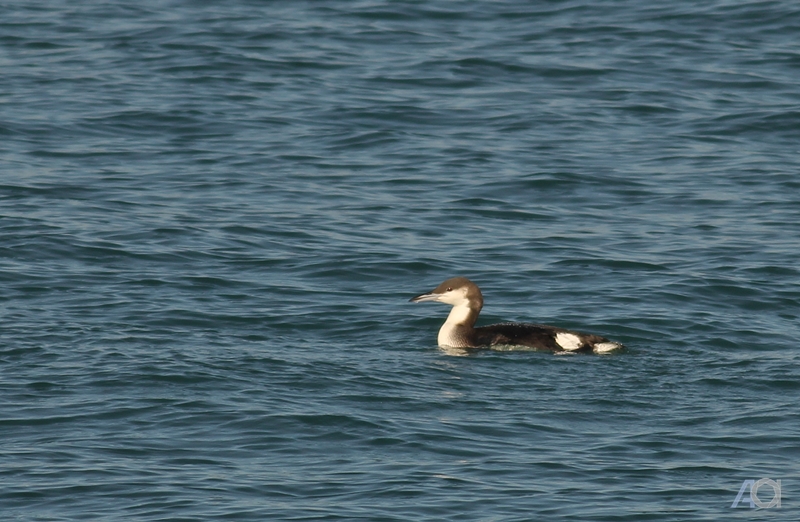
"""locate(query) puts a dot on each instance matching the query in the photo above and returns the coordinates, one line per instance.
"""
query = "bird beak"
(421, 298)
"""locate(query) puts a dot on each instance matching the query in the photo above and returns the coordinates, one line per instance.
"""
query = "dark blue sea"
(213, 215)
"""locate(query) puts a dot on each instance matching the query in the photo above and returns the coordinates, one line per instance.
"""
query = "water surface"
(212, 218)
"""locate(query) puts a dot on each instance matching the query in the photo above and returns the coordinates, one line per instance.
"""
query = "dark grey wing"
(537, 336)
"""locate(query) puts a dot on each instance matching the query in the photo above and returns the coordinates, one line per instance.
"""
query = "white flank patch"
(606, 347)
(568, 341)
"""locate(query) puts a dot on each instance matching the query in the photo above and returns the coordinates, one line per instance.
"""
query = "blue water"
(212, 216)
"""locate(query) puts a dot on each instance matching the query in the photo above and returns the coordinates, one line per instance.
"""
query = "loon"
(459, 330)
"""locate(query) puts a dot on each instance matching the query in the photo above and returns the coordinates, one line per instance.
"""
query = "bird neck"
(457, 329)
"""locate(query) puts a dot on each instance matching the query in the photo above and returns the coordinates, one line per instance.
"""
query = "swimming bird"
(459, 330)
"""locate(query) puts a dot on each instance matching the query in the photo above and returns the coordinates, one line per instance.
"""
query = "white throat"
(460, 316)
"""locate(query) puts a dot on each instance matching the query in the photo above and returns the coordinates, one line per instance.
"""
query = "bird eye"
(449, 289)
